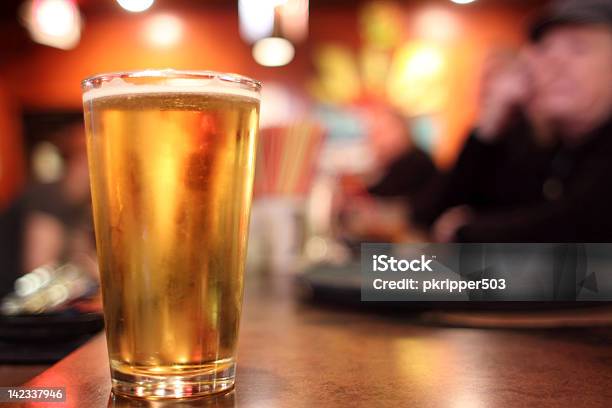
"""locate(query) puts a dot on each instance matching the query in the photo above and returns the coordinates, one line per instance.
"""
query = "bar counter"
(293, 354)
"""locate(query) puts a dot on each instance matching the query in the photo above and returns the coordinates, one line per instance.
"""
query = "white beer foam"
(118, 87)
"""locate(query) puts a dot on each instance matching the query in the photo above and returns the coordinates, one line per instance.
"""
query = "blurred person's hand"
(367, 219)
(448, 224)
(505, 87)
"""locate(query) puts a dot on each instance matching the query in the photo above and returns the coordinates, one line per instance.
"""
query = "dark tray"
(45, 338)
(65, 325)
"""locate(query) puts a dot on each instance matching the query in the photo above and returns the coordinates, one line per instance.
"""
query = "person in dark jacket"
(405, 169)
(373, 207)
(511, 183)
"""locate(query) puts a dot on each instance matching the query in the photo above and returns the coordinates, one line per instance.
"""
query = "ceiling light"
(135, 6)
(273, 51)
(56, 23)
(164, 30)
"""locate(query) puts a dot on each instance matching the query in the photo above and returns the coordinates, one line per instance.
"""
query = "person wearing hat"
(537, 166)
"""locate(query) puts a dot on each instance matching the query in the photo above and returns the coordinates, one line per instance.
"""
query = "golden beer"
(171, 167)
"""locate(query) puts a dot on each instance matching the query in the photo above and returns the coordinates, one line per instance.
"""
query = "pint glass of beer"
(171, 160)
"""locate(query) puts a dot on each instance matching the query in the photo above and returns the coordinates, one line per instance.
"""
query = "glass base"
(192, 384)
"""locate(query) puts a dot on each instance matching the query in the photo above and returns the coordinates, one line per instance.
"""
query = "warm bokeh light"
(273, 52)
(338, 79)
(294, 20)
(56, 23)
(47, 163)
(381, 24)
(463, 1)
(259, 18)
(437, 24)
(164, 30)
(417, 78)
(55, 17)
(135, 6)
(256, 19)
(424, 62)
(277, 106)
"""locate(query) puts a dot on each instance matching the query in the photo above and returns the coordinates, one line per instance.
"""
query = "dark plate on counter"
(46, 338)
(68, 324)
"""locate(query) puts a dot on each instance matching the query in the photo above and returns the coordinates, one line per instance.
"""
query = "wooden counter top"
(296, 355)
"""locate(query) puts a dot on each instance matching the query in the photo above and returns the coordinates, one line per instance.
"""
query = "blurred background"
(328, 69)
(366, 107)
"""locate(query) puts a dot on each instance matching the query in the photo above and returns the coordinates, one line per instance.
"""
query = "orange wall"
(50, 77)
(11, 150)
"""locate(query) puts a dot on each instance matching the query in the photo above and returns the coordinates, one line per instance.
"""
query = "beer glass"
(171, 160)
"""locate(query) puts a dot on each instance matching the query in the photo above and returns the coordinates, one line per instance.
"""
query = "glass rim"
(168, 73)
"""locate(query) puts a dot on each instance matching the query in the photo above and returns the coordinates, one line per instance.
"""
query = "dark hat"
(571, 12)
